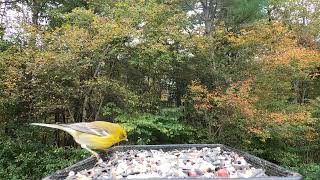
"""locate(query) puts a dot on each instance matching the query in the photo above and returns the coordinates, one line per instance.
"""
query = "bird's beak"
(126, 140)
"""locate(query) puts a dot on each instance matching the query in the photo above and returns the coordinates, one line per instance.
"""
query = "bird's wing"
(89, 128)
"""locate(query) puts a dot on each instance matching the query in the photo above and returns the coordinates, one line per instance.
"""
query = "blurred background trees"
(241, 73)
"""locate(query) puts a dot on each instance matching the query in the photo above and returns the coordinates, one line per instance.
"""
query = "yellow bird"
(96, 135)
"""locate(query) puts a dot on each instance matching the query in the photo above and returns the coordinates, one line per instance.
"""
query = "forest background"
(244, 73)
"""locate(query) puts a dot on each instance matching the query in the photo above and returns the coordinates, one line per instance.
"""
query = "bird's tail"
(62, 127)
(55, 126)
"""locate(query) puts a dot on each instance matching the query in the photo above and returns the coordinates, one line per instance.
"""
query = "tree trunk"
(99, 108)
(88, 93)
(209, 14)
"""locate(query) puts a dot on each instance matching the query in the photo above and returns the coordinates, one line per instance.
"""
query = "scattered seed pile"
(203, 163)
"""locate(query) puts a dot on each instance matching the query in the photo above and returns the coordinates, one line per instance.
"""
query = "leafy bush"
(22, 156)
(309, 171)
(316, 111)
(163, 127)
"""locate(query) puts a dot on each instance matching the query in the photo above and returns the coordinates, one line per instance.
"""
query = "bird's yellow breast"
(96, 142)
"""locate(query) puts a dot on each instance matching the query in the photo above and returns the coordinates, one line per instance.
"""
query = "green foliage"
(56, 10)
(111, 110)
(164, 127)
(23, 156)
(316, 111)
(80, 17)
(244, 12)
(309, 171)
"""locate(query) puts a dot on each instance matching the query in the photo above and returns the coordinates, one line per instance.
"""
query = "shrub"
(166, 126)
(22, 156)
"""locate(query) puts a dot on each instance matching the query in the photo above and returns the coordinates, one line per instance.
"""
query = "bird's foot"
(101, 163)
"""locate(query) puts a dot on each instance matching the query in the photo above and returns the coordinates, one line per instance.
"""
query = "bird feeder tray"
(271, 170)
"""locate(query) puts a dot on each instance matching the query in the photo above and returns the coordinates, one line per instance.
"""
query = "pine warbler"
(97, 135)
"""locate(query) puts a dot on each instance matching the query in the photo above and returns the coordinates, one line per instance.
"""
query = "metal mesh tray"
(273, 171)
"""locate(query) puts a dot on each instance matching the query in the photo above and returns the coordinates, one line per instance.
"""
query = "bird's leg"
(99, 160)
